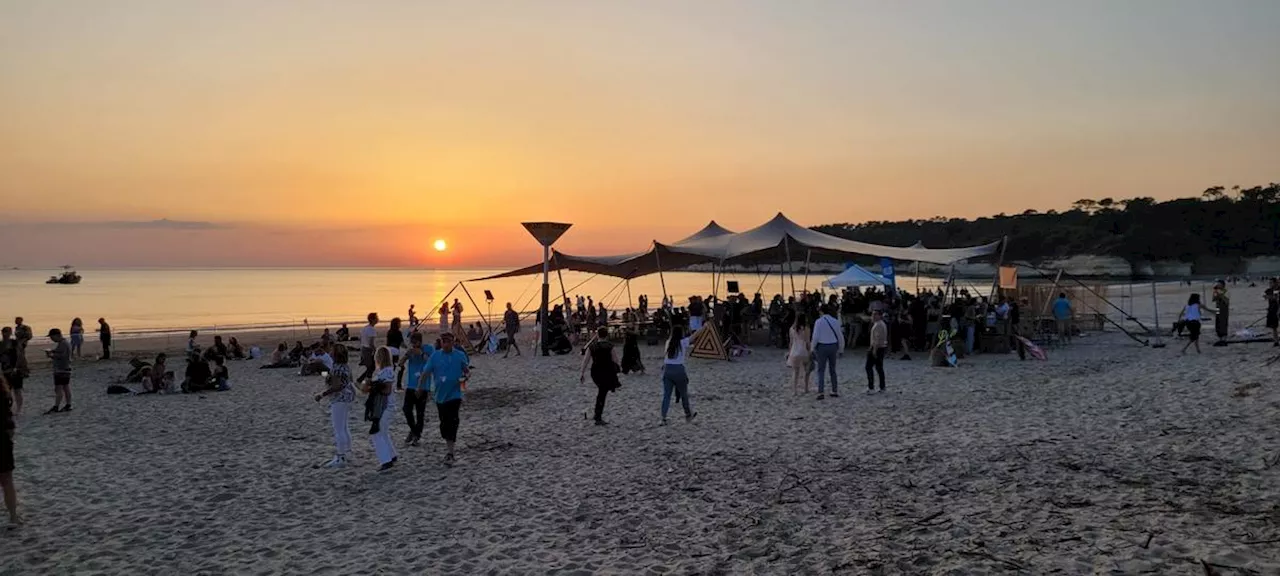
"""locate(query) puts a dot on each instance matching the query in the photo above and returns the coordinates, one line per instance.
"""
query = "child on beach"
(380, 407)
(798, 358)
(341, 393)
(61, 356)
(448, 369)
(674, 377)
(1191, 316)
(417, 391)
(7, 427)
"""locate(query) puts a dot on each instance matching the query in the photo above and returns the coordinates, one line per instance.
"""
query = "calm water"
(138, 300)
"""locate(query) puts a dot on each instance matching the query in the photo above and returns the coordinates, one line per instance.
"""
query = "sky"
(329, 132)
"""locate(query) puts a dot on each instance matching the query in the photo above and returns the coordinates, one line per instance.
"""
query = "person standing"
(603, 361)
(7, 429)
(1222, 316)
(827, 345)
(512, 321)
(1062, 314)
(341, 393)
(674, 376)
(368, 343)
(697, 310)
(798, 358)
(22, 333)
(1273, 311)
(104, 337)
(448, 369)
(380, 408)
(413, 318)
(13, 366)
(77, 336)
(457, 313)
(417, 391)
(61, 356)
(878, 346)
(444, 317)
(395, 343)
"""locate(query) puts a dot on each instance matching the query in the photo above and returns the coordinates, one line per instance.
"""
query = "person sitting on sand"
(674, 377)
(158, 377)
(603, 361)
(219, 348)
(448, 370)
(221, 377)
(798, 358)
(473, 332)
(7, 463)
(197, 374)
(279, 357)
(379, 408)
(341, 392)
(343, 334)
(296, 353)
(234, 349)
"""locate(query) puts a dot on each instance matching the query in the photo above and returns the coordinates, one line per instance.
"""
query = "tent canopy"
(775, 241)
(856, 275)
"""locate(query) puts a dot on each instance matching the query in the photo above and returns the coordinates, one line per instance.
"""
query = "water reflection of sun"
(440, 245)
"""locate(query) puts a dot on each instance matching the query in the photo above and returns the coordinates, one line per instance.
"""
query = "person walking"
(368, 342)
(1191, 317)
(417, 391)
(603, 361)
(674, 376)
(7, 464)
(879, 345)
(798, 358)
(1062, 314)
(341, 392)
(104, 338)
(379, 408)
(61, 356)
(448, 369)
(77, 337)
(511, 320)
(13, 366)
(827, 344)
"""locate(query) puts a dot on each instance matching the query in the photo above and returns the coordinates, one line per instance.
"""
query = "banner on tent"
(886, 270)
(1009, 277)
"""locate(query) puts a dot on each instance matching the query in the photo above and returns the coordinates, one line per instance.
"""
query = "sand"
(1108, 458)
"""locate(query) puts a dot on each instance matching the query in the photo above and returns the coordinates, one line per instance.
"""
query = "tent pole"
(560, 275)
(546, 296)
(628, 293)
(1049, 297)
(446, 297)
(807, 253)
(658, 260)
(917, 277)
(487, 326)
(995, 282)
(786, 246)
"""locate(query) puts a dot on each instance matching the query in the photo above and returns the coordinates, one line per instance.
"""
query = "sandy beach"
(1108, 458)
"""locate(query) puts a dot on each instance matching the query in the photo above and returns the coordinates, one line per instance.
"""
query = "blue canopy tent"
(855, 275)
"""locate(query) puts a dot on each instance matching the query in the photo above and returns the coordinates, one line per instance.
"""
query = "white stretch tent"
(775, 241)
(856, 275)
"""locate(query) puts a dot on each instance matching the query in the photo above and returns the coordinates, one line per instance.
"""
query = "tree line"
(1221, 223)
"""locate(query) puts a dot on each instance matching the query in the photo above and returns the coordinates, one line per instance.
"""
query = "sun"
(440, 245)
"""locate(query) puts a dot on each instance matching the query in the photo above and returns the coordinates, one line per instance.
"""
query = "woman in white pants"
(380, 409)
(341, 393)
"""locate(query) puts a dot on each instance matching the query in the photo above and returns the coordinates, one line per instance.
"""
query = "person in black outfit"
(7, 427)
(395, 342)
(631, 354)
(604, 370)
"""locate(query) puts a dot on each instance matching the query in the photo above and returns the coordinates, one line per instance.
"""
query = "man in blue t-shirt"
(448, 369)
(1062, 314)
(417, 389)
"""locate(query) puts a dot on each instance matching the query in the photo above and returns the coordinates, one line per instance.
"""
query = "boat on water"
(68, 276)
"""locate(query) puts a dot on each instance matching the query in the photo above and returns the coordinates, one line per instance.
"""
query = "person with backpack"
(827, 343)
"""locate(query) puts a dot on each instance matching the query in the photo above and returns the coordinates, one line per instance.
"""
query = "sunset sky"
(326, 132)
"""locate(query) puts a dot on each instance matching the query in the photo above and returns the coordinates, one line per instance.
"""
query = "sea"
(147, 301)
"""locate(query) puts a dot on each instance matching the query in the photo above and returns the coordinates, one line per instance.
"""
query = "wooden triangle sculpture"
(460, 339)
(706, 343)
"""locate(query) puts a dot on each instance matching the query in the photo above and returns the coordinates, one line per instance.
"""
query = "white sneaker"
(337, 462)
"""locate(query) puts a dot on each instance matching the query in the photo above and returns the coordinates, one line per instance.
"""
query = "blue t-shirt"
(445, 370)
(413, 366)
(1061, 309)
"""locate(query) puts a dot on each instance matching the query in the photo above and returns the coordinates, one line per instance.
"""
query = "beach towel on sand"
(1036, 352)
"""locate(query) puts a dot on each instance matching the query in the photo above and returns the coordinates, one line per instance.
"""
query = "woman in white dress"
(798, 358)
